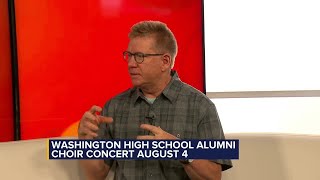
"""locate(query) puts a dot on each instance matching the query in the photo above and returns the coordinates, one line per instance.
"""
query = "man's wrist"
(186, 161)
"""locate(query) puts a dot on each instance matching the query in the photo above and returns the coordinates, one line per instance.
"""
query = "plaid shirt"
(180, 110)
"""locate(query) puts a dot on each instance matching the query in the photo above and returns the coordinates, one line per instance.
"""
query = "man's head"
(151, 53)
(165, 41)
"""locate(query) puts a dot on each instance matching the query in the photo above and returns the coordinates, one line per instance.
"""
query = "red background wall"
(70, 54)
(6, 100)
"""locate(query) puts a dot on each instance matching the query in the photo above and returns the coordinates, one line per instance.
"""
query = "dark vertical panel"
(15, 77)
(203, 48)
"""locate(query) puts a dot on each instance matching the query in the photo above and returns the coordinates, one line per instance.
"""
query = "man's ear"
(166, 62)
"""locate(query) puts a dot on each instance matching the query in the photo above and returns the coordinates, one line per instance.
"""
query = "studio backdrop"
(70, 55)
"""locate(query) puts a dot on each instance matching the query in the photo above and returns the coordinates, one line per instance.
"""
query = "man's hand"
(157, 131)
(89, 123)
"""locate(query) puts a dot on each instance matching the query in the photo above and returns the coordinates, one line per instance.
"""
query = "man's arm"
(197, 169)
(94, 169)
(203, 169)
(88, 127)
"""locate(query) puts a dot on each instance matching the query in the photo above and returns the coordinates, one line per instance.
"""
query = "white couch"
(276, 157)
(262, 157)
(22, 160)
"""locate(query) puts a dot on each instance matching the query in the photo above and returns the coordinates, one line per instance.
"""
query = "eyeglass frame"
(142, 55)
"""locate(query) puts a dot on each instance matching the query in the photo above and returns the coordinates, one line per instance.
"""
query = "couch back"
(27, 160)
(275, 157)
(262, 157)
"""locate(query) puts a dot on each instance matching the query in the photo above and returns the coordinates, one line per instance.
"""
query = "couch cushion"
(276, 157)
(28, 160)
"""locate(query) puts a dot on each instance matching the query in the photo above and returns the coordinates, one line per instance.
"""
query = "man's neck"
(153, 91)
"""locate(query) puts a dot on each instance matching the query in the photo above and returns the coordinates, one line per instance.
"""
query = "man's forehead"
(143, 43)
(148, 38)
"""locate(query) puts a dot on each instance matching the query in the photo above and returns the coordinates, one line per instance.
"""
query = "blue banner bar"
(143, 149)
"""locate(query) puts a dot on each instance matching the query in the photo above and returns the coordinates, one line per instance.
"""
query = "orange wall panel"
(70, 55)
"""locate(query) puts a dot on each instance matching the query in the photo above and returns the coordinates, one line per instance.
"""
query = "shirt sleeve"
(209, 127)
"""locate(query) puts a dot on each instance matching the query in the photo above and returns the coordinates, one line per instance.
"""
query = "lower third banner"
(142, 149)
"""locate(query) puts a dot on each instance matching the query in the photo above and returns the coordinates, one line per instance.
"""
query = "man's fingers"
(103, 119)
(91, 117)
(87, 126)
(147, 137)
(153, 129)
(95, 109)
(91, 126)
(87, 133)
(91, 134)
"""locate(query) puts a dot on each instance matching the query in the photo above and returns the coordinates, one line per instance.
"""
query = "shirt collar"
(173, 88)
(170, 92)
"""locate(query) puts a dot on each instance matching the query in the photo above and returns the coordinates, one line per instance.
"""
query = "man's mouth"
(134, 74)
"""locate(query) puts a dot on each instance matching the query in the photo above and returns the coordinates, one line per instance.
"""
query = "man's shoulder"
(126, 93)
(120, 99)
(123, 95)
(187, 89)
(189, 92)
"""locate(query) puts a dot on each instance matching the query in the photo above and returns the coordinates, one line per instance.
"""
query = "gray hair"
(165, 40)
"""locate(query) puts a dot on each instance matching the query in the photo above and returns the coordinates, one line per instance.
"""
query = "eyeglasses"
(138, 56)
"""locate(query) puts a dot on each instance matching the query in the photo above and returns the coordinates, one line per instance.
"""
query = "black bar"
(14, 65)
(203, 47)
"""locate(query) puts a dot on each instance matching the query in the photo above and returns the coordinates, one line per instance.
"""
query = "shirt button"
(178, 135)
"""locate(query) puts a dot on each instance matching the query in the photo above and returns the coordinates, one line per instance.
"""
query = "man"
(159, 106)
